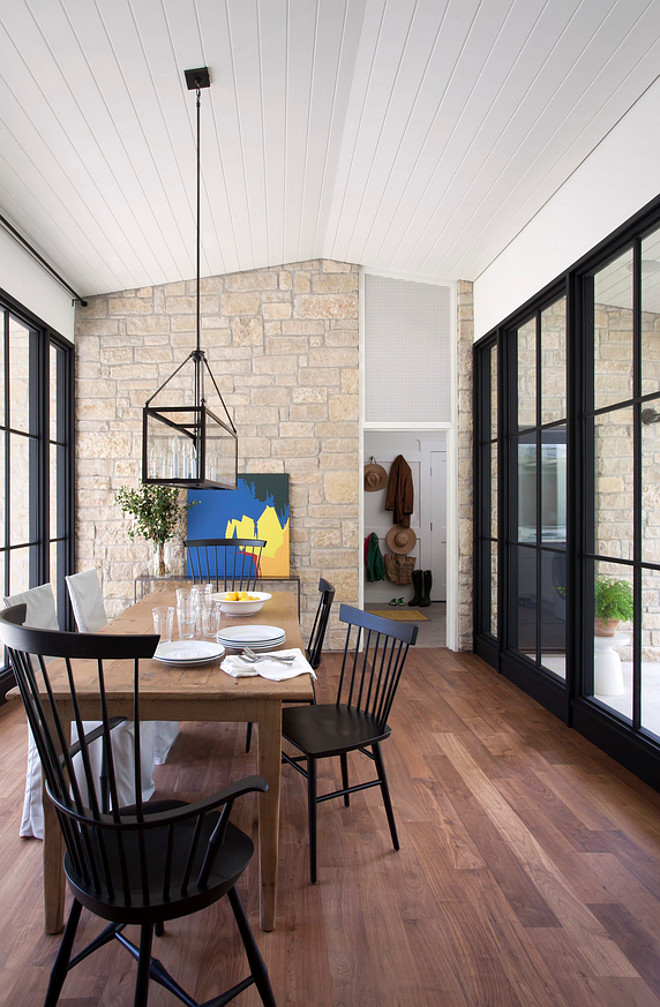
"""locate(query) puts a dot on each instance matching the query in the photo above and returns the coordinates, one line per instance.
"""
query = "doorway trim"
(451, 432)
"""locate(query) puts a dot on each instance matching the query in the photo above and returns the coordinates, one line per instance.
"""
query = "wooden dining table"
(195, 693)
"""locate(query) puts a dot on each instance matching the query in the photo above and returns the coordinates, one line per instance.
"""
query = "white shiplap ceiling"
(415, 136)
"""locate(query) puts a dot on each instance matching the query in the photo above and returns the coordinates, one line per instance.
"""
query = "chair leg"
(60, 968)
(256, 962)
(382, 776)
(311, 812)
(248, 736)
(144, 966)
(343, 758)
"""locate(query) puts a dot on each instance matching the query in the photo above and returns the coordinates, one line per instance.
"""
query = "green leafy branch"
(155, 510)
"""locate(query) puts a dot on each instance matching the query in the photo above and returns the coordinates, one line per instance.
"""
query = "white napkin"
(275, 671)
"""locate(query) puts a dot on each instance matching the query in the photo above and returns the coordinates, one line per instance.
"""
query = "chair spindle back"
(374, 656)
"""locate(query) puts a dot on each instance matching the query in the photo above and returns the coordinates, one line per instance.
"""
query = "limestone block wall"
(283, 347)
(465, 367)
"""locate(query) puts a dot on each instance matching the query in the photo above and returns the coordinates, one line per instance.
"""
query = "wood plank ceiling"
(416, 136)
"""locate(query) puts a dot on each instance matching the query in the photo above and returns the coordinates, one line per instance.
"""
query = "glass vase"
(159, 567)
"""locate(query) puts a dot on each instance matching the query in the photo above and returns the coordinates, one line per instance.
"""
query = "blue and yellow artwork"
(257, 508)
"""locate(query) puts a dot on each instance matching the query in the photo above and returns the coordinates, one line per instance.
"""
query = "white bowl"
(257, 601)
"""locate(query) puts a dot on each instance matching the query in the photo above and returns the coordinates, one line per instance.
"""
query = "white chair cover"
(40, 613)
(89, 613)
(87, 601)
(156, 738)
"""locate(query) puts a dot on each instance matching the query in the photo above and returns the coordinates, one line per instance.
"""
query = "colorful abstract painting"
(257, 508)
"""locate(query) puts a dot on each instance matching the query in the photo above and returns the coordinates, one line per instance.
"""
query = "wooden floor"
(528, 875)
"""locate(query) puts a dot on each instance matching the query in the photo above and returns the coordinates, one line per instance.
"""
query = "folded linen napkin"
(237, 667)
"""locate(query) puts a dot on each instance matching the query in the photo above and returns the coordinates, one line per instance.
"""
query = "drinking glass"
(186, 619)
(184, 596)
(185, 613)
(215, 616)
(163, 616)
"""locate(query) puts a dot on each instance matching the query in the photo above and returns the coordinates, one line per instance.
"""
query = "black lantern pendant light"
(189, 444)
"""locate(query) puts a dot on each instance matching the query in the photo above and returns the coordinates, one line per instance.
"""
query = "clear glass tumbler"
(163, 616)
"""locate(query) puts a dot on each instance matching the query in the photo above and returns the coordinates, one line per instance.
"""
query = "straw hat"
(375, 477)
(400, 539)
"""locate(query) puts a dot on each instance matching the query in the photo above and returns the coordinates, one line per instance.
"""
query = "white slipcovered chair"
(40, 612)
(89, 612)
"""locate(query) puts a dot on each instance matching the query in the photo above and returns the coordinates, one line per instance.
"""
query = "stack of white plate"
(255, 637)
(188, 652)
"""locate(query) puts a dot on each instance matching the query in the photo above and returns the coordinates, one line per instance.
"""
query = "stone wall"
(465, 357)
(283, 346)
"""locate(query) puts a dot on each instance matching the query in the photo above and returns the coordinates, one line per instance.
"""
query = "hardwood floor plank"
(638, 945)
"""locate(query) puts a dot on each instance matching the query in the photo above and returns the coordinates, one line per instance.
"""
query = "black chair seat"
(146, 901)
(328, 729)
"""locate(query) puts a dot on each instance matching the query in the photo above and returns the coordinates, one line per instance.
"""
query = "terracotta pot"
(605, 627)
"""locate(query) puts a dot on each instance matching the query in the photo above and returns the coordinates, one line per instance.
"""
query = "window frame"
(628, 742)
(42, 339)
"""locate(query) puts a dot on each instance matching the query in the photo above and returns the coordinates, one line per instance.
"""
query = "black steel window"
(567, 541)
(36, 457)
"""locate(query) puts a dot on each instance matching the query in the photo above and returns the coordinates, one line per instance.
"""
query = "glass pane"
(651, 313)
(53, 433)
(527, 374)
(651, 651)
(553, 485)
(53, 533)
(527, 601)
(493, 391)
(493, 490)
(613, 637)
(527, 488)
(19, 489)
(553, 362)
(19, 570)
(650, 491)
(553, 612)
(53, 569)
(493, 588)
(3, 319)
(3, 537)
(19, 383)
(613, 332)
(613, 496)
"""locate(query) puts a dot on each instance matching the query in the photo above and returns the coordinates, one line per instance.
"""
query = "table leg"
(269, 721)
(53, 870)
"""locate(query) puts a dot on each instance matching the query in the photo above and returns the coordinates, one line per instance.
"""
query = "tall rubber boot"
(418, 585)
(428, 584)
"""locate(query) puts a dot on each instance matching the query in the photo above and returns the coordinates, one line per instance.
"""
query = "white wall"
(34, 288)
(613, 183)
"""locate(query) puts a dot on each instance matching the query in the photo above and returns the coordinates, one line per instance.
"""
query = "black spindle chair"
(374, 656)
(234, 563)
(315, 645)
(143, 864)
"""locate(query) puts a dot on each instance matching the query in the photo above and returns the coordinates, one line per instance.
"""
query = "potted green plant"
(156, 513)
(613, 603)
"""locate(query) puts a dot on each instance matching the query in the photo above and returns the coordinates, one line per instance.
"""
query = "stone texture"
(259, 338)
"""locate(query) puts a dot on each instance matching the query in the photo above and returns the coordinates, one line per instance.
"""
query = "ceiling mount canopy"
(185, 442)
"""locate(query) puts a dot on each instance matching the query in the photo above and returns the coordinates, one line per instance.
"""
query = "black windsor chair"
(144, 864)
(233, 562)
(315, 646)
(373, 661)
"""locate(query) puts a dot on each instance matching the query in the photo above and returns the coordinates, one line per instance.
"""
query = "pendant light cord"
(199, 315)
